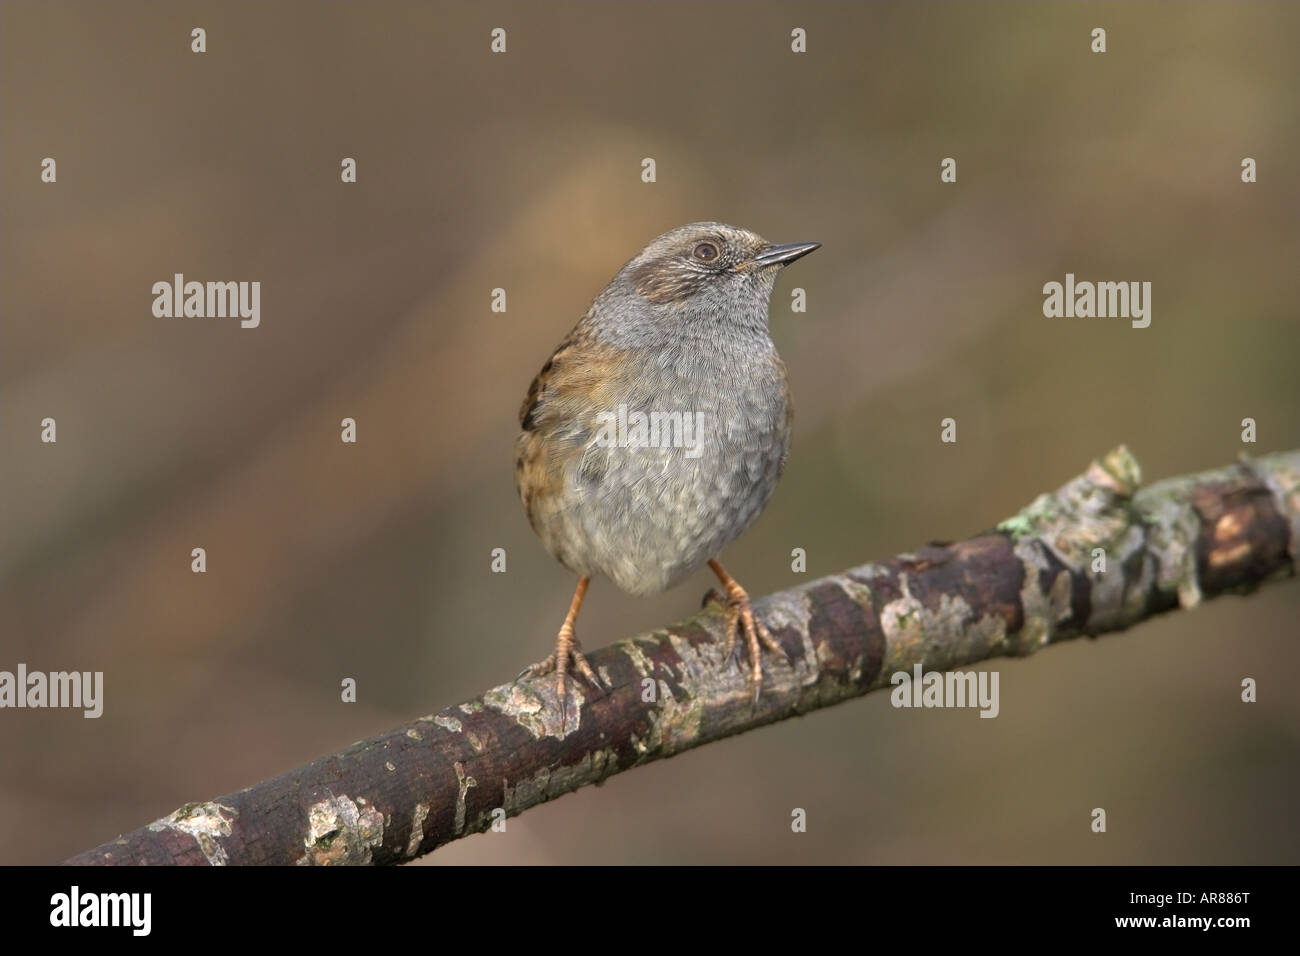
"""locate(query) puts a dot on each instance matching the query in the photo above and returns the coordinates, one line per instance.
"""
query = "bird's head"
(705, 275)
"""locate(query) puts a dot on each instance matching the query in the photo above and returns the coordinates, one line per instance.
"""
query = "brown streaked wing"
(531, 407)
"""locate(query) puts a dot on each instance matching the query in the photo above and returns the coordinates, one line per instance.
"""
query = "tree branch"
(1034, 580)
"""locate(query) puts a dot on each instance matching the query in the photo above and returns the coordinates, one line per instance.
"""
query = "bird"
(658, 429)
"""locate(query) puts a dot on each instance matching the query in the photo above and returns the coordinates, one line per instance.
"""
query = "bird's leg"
(566, 646)
(740, 617)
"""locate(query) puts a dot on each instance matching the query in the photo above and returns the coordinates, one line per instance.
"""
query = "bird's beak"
(784, 254)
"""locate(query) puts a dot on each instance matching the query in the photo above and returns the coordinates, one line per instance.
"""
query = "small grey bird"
(655, 434)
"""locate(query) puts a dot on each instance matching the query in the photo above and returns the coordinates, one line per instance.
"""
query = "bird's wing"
(561, 418)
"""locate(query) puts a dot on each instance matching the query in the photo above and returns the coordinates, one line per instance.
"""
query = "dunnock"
(656, 432)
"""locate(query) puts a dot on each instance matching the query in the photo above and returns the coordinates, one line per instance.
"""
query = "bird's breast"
(681, 461)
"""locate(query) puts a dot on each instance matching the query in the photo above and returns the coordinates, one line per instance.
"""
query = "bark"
(1032, 581)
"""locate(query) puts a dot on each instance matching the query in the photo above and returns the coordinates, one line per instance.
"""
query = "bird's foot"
(742, 620)
(567, 650)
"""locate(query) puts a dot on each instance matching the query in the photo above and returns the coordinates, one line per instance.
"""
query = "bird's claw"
(567, 652)
(742, 620)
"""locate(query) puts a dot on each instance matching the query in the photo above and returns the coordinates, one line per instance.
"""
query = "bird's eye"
(706, 252)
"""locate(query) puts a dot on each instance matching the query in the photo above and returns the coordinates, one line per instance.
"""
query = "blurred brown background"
(522, 170)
